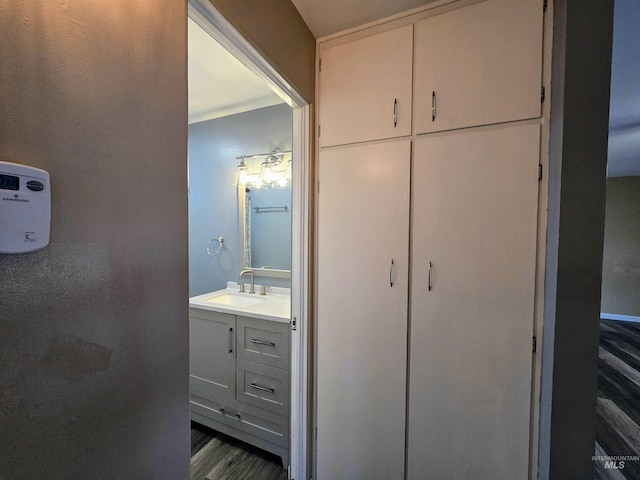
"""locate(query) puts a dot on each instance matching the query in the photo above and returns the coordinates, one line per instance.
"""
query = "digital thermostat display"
(9, 182)
(25, 208)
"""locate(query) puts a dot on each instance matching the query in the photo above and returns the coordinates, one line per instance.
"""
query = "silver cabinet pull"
(433, 106)
(262, 342)
(235, 416)
(395, 112)
(230, 340)
(261, 388)
(390, 273)
(429, 279)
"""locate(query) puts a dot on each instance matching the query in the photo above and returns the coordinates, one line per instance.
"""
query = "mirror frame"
(242, 235)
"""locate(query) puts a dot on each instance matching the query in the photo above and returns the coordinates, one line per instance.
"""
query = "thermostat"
(25, 208)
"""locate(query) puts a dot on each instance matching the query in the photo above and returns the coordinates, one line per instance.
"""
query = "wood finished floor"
(215, 456)
(618, 410)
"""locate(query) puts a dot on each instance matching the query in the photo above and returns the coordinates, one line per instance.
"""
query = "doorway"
(202, 13)
(617, 447)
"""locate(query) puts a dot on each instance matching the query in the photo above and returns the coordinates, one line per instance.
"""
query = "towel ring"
(220, 241)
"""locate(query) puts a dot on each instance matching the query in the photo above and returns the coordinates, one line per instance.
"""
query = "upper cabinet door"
(365, 88)
(479, 65)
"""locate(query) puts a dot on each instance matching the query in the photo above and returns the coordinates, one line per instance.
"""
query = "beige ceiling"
(326, 17)
(220, 85)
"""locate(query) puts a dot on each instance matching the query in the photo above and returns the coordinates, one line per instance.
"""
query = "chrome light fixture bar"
(270, 175)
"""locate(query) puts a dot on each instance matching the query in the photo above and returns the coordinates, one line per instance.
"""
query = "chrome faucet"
(251, 284)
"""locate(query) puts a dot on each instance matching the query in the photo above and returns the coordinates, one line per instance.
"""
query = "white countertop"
(275, 306)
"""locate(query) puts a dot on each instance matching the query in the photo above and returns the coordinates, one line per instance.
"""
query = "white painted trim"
(300, 294)
(622, 318)
(214, 23)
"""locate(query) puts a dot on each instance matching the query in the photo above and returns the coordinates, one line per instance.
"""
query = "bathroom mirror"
(265, 230)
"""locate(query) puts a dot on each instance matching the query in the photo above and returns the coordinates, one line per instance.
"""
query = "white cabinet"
(365, 88)
(469, 197)
(234, 386)
(479, 65)
(472, 297)
(362, 311)
(211, 352)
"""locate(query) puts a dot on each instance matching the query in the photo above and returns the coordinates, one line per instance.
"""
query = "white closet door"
(482, 62)
(475, 199)
(362, 311)
(365, 88)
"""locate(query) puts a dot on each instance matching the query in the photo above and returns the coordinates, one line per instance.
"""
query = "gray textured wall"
(213, 206)
(93, 329)
(621, 262)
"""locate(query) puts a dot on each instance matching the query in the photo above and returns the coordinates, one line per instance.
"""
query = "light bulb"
(240, 177)
(266, 172)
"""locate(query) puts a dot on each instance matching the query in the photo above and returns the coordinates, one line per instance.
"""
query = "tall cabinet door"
(472, 304)
(365, 88)
(479, 65)
(363, 243)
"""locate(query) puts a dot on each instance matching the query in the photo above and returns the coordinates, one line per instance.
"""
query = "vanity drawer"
(263, 341)
(263, 386)
(229, 417)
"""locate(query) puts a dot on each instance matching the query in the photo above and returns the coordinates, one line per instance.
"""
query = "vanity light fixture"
(269, 174)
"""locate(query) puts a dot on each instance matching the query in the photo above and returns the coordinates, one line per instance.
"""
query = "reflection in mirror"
(268, 227)
(265, 222)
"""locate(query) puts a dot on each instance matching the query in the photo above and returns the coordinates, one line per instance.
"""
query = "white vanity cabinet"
(234, 386)
(212, 360)
(365, 88)
(479, 65)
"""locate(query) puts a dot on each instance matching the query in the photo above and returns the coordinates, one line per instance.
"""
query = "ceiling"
(220, 85)
(326, 17)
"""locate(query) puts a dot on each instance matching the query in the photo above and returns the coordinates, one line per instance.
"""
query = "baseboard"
(622, 318)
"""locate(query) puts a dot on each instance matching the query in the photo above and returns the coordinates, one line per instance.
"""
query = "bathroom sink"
(275, 306)
(235, 299)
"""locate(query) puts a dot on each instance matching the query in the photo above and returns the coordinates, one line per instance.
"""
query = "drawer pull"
(235, 416)
(262, 389)
(261, 342)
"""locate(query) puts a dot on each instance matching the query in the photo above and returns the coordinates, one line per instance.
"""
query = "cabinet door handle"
(434, 105)
(261, 388)
(262, 342)
(235, 416)
(230, 340)
(395, 112)
(391, 273)
(429, 279)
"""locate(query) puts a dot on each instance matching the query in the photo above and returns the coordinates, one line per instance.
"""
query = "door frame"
(216, 25)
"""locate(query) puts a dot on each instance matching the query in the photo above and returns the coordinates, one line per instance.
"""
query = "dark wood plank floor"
(215, 456)
(618, 410)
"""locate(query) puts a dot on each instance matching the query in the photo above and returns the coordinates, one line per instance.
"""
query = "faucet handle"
(241, 285)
